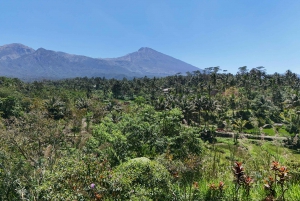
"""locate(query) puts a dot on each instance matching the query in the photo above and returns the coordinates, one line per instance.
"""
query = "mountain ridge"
(14, 50)
(18, 60)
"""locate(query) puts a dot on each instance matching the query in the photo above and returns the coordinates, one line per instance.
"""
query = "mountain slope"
(13, 51)
(151, 62)
(17, 60)
(57, 65)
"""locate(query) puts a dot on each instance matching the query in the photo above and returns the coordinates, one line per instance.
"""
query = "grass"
(257, 157)
(269, 131)
(253, 131)
(283, 133)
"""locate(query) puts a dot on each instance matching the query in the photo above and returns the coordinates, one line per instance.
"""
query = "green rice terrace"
(200, 136)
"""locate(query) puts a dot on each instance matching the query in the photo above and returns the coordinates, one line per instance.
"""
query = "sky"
(204, 33)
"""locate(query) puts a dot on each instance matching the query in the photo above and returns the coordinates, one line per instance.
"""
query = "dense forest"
(199, 136)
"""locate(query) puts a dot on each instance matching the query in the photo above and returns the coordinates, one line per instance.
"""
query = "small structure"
(166, 90)
(267, 126)
(277, 125)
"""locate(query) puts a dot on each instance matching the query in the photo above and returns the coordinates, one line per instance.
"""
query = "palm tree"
(200, 104)
(56, 108)
(255, 124)
(82, 103)
(187, 107)
(228, 124)
(240, 124)
(292, 101)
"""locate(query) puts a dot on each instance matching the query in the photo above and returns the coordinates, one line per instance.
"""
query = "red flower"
(221, 185)
(248, 180)
(212, 187)
(283, 169)
(275, 165)
(269, 183)
(238, 170)
(195, 184)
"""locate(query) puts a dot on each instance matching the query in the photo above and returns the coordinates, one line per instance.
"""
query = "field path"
(249, 136)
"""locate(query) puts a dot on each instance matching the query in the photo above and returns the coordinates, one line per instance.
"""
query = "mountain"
(13, 51)
(17, 60)
(150, 62)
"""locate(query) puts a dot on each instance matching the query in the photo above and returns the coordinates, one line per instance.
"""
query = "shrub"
(139, 177)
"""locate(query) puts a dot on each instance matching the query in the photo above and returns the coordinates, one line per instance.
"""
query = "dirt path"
(250, 136)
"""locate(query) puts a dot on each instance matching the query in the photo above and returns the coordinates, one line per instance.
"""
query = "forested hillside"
(152, 138)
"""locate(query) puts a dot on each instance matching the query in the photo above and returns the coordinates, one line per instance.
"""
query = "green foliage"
(140, 177)
(12, 169)
(56, 108)
(187, 142)
(10, 106)
(147, 133)
(269, 131)
(108, 142)
(140, 100)
(141, 139)
(69, 178)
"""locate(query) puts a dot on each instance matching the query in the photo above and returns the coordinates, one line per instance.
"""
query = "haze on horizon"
(221, 33)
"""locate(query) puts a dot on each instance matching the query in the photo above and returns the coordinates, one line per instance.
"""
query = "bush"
(140, 177)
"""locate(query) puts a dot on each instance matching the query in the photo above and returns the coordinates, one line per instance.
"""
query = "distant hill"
(17, 60)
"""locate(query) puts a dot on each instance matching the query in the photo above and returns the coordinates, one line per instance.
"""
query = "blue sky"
(204, 33)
